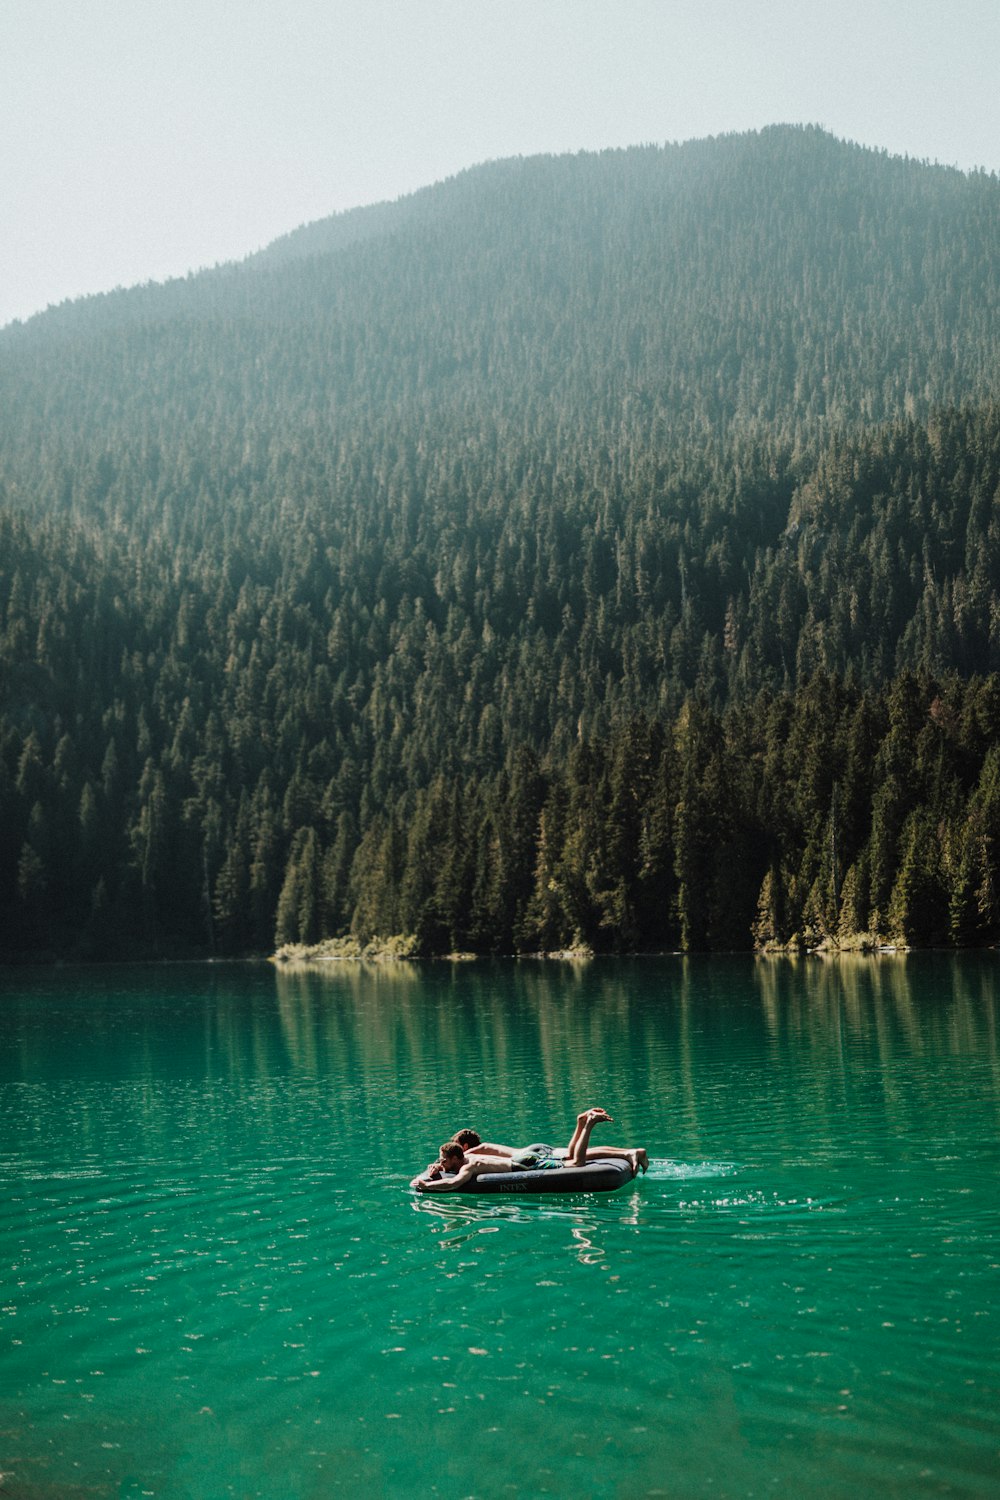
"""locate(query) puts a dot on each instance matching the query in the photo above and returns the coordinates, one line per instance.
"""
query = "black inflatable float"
(596, 1177)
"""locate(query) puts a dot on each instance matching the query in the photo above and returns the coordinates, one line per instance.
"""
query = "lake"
(216, 1282)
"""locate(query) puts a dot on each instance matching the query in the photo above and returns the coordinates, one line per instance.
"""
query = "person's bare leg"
(593, 1116)
(638, 1155)
(576, 1152)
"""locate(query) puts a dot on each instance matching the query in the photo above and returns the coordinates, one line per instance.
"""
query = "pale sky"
(141, 139)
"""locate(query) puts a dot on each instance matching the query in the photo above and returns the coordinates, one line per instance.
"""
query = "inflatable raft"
(595, 1177)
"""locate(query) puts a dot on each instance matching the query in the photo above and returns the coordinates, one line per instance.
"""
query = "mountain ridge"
(624, 258)
(349, 226)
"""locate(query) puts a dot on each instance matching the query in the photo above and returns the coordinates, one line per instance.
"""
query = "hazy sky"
(140, 139)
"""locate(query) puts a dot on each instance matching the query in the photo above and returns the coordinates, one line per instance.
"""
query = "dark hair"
(468, 1138)
(451, 1148)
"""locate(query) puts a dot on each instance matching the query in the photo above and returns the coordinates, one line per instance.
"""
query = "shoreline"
(339, 951)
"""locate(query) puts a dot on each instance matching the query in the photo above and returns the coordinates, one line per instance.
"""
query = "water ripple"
(217, 1283)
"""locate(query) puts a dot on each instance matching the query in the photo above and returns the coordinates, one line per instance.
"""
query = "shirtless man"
(467, 1165)
(473, 1146)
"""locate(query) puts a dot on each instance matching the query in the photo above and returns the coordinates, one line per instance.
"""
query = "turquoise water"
(215, 1282)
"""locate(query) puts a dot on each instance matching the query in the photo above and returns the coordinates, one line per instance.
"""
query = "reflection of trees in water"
(902, 1004)
(675, 1048)
(520, 1047)
(681, 1050)
(846, 1028)
(514, 1048)
(325, 1015)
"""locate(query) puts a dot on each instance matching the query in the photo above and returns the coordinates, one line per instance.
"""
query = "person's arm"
(430, 1173)
(446, 1184)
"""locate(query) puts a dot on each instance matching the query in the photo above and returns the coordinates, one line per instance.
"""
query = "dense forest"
(588, 550)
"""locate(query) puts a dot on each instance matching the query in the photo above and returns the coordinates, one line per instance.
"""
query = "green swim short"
(534, 1159)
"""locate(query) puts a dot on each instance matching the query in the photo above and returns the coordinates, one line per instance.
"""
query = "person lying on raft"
(468, 1165)
(534, 1156)
(473, 1146)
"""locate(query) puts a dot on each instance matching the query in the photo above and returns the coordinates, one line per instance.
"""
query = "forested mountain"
(600, 548)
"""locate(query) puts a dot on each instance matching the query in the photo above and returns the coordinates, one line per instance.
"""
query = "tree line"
(511, 738)
(829, 815)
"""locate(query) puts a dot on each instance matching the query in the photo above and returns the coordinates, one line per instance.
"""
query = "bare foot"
(643, 1159)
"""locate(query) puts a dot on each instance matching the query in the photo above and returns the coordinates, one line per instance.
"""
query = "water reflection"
(904, 1003)
(487, 1038)
(219, 1020)
(459, 1220)
(897, 1002)
(401, 1055)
